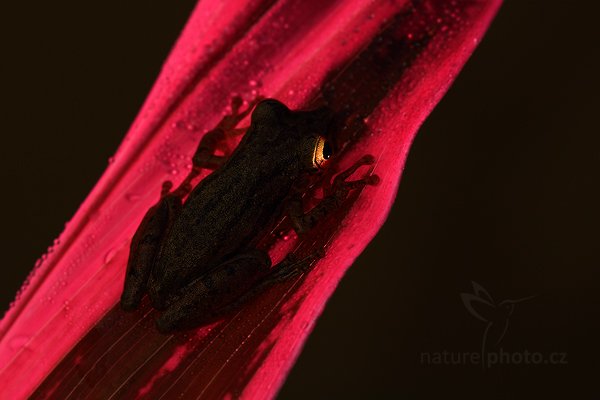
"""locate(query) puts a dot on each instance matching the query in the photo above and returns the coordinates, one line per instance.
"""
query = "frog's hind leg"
(291, 266)
(145, 246)
(212, 294)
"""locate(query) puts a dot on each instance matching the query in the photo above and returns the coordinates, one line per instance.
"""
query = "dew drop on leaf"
(110, 255)
(18, 342)
(132, 197)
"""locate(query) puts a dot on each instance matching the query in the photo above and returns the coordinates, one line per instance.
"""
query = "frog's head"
(299, 139)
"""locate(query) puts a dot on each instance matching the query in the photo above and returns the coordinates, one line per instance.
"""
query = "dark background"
(500, 188)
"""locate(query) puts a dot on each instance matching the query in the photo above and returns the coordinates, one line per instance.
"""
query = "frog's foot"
(228, 287)
(205, 156)
(217, 138)
(342, 186)
(215, 293)
(165, 189)
(292, 266)
(334, 196)
(230, 121)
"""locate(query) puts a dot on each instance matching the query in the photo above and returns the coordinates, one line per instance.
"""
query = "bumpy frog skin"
(197, 258)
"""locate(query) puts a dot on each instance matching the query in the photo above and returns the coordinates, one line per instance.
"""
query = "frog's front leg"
(334, 195)
(216, 139)
(145, 246)
(212, 294)
(205, 156)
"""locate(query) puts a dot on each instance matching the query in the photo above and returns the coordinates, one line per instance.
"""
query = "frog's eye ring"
(322, 152)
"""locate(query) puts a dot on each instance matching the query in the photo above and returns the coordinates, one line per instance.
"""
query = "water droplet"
(174, 171)
(110, 255)
(253, 83)
(18, 342)
(111, 160)
(93, 215)
(132, 197)
(178, 125)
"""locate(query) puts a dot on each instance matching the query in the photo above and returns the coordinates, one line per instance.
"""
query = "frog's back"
(228, 212)
(232, 208)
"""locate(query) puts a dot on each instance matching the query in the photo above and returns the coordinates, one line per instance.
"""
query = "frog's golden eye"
(322, 152)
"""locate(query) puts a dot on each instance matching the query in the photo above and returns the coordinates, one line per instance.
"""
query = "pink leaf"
(381, 64)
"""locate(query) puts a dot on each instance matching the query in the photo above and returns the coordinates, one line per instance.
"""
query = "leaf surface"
(383, 65)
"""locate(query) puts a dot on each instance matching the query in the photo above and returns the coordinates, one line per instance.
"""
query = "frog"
(195, 253)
